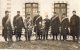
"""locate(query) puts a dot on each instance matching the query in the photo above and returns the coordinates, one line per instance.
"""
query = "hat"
(18, 11)
(63, 14)
(6, 11)
(74, 11)
(28, 14)
(54, 12)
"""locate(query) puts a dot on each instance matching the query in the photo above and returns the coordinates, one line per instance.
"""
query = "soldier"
(55, 24)
(64, 26)
(43, 33)
(18, 25)
(28, 27)
(36, 22)
(74, 26)
(47, 24)
(7, 28)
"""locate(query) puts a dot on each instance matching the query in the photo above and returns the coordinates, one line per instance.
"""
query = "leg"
(26, 36)
(73, 38)
(19, 36)
(5, 38)
(46, 34)
(43, 37)
(64, 37)
(77, 38)
(39, 34)
(56, 37)
(16, 37)
(53, 37)
(60, 36)
(10, 38)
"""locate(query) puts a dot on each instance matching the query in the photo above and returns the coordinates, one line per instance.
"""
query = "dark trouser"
(38, 34)
(60, 36)
(54, 36)
(8, 38)
(5, 38)
(47, 33)
(18, 32)
(29, 34)
(18, 36)
(26, 36)
(37, 31)
(64, 37)
(43, 37)
(75, 36)
(7, 34)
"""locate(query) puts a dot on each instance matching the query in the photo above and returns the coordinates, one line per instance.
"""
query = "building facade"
(46, 7)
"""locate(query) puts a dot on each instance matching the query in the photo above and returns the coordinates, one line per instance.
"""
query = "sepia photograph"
(39, 24)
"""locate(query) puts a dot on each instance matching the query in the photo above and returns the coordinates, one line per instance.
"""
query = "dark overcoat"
(55, 24)
(74, 25)
(18, 23)
(36, 21)
(7, 28)
(47, 23)
(65, 26)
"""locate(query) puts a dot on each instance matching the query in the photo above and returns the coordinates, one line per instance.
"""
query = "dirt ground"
(41, 45)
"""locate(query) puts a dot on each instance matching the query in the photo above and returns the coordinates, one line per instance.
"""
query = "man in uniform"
(37, 21)
(64, 26)
(28, 27)
(47, 24)
(74, 26)
(18, 25)
(55, 24)
(7, 31)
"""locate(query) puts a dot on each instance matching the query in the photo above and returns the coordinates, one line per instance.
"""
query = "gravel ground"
(41, 45)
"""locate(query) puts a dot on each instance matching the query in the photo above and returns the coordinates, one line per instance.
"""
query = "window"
(31, 8)
(60, 8)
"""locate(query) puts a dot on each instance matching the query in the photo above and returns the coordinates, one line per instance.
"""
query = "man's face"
(28, 15)
(46, 16)
(7, 14)
(74, 13)
(55, 14)
(63, 16)
(18, 13)
(37, 13)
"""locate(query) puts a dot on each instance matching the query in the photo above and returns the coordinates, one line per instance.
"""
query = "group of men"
(41, 26)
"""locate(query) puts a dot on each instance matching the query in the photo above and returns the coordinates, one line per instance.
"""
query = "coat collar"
(64, 18)
(54, 17)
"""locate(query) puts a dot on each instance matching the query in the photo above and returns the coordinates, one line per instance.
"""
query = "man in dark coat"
(18, 25)
(7, 31)
(55, 24)
(74, 26)
(47, 24)
(37, 21)
(64, 26)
